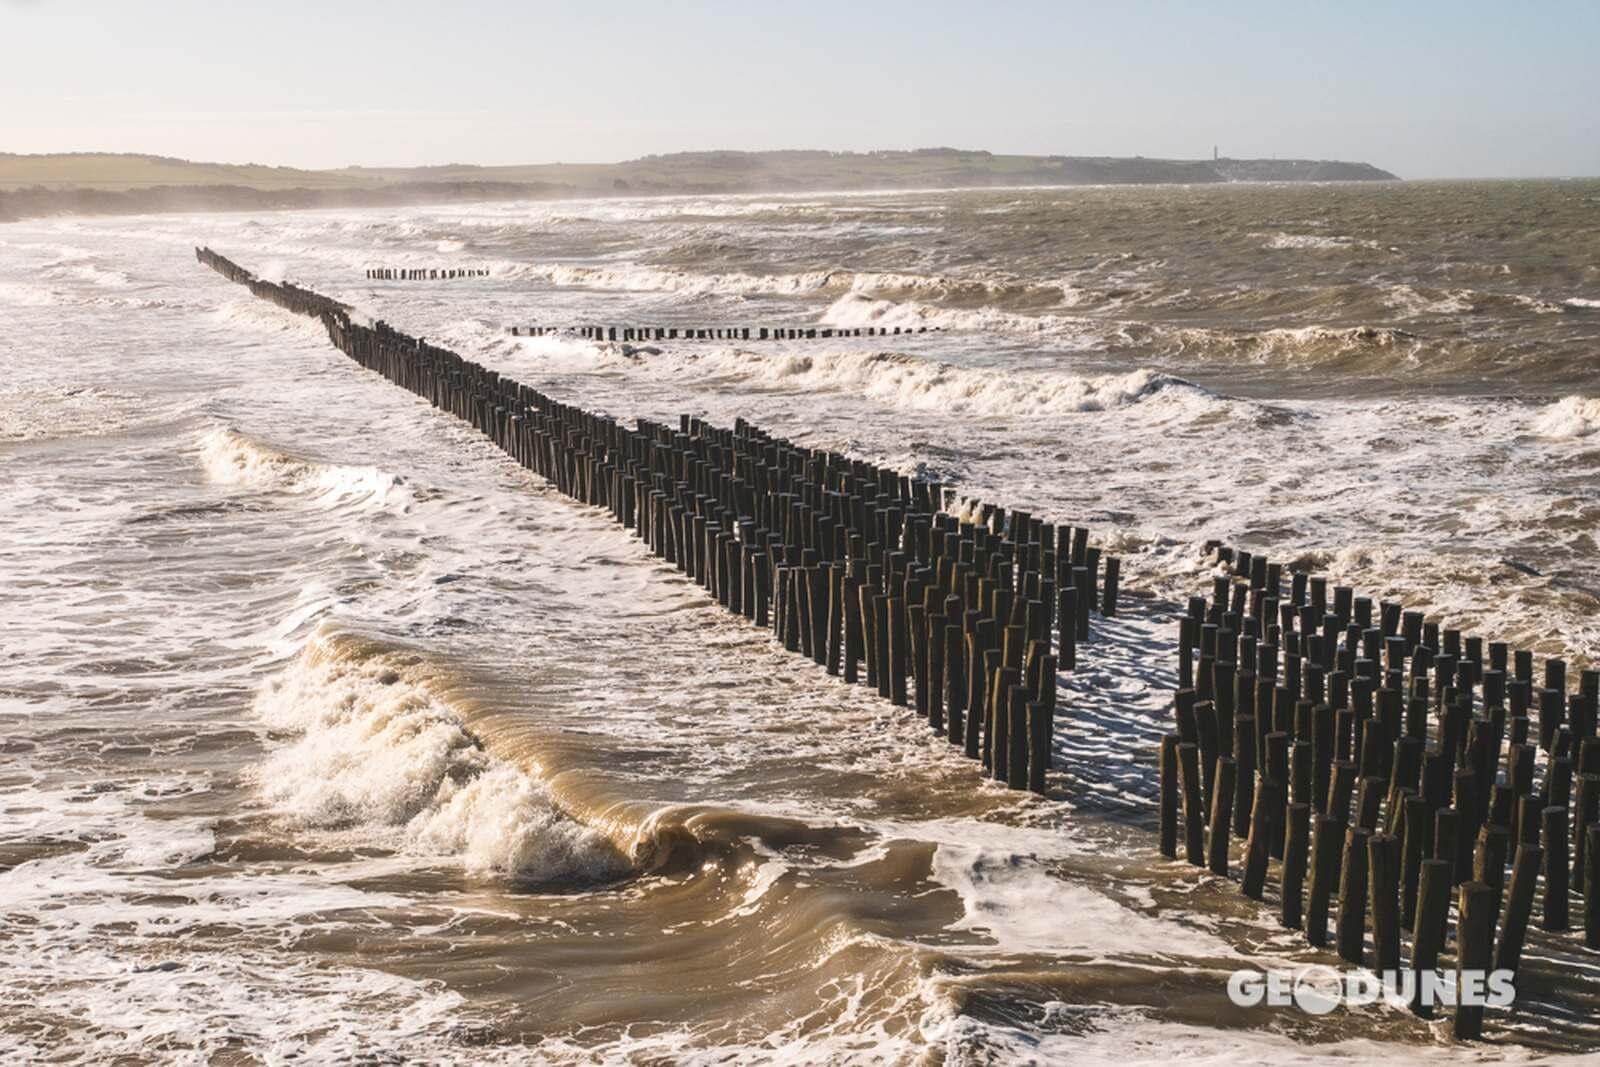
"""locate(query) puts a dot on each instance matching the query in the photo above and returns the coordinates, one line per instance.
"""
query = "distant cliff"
(101, 183)
(1299, 170)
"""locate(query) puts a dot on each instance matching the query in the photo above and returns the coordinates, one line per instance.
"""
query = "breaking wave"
(379, 748)
(1317, 242)
(232, 458)
(637, 278)
(907, 382)
(1572, 416)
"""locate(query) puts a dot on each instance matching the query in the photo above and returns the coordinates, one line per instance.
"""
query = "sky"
(1426, 89)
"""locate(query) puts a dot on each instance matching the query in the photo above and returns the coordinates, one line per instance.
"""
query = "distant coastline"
(110, 184)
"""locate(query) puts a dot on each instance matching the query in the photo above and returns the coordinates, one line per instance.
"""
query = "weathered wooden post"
(1327, 843)
(1352, 919)
(1474, 944)
(1383, 865)
(1194, 823)
(1169, 796)
(1554, 841)
(1519, 908)
(1427, 940)
(1221, 816)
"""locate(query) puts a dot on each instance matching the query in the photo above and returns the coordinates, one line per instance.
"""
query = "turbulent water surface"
(328, 732)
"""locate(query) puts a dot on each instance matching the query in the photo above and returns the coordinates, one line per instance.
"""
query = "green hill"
(97, 182)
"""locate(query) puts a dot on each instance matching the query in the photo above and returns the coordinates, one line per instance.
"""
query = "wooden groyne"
(424, 274)
(284, 294)
(1382, 765)
(967, 620)
(641, 334)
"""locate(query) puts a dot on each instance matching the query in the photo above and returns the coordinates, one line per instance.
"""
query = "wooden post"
(1169, 795)
(1038, 755)
(1519, 907)
(1474, 944)
(1194, 819)
(1017, 739)
(1433, 909)
(1268, 801)
(1221, 816)
(1352, 922)
(1556, 890)
(1383, 865)
(1297, 842)
(1325, 848)
(1591, 888)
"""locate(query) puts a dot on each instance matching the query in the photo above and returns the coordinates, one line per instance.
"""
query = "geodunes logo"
(1318, 990)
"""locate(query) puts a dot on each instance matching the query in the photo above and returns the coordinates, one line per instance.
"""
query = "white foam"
(1317, 242)
(1100, 1035)
(859, 309)
(232, 458)
(380, 750)
(32, 413)
(634, 277)
(25, 294)
(907, 382)
(1016, 903)
(243, 311)
(1406, 298)
(102, 277)
(1572, 416)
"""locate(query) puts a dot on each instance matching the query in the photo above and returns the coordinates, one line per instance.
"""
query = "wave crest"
(232, 458)
(380, 748)
(1572, 416)
(907, 382)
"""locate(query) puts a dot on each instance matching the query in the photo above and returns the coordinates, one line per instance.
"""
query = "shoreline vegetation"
(91, 183)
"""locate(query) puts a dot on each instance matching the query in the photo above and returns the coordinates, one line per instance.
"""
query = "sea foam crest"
(859, 309)
(907, 382)
(379, 748)
(631, 277)
(232, 458)
(1317, 241)
(1571, 416)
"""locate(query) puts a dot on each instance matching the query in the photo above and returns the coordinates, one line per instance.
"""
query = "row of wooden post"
(716, 333)
(861, 569)
(424, 274)
(1384, 764)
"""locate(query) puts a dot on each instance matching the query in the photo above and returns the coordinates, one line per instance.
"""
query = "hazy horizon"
(1427, 91)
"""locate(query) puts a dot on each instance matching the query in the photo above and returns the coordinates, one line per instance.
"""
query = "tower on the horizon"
(1214, 156)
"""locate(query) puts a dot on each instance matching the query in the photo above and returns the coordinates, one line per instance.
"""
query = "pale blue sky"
(1427, 89)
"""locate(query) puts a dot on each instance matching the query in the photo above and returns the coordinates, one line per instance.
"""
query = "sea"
(328, 734)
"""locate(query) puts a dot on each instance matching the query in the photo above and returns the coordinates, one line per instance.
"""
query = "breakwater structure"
(961, 610)
(641, 334)
(1386, 768)
(424, 274)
